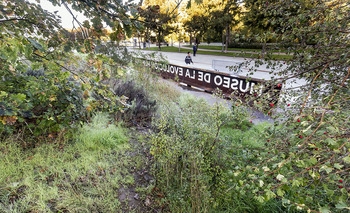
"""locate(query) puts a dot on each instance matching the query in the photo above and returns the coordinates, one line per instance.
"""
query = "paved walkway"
(231, 51)
(206, 61)
(250, 68)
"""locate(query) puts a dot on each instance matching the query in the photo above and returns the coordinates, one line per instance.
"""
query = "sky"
(66, 17)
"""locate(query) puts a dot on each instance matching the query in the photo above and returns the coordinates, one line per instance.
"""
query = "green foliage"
(141, 106)
(186, 147)
(101, 134)
(158, 17)
(46, 87)
(303, 164)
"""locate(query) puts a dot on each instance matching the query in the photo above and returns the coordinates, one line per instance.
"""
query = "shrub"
(141, 106)
(188, 152)
(40, 102)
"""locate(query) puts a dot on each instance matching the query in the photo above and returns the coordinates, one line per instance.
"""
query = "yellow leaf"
(2, 119)
(52, 98)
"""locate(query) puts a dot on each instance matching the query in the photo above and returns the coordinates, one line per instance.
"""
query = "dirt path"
(139, 197)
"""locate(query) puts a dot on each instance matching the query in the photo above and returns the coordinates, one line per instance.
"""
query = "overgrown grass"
(83, 175)
(198, 153)
(244, 134)
(158, 89)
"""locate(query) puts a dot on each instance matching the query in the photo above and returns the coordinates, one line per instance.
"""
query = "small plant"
(141, 107)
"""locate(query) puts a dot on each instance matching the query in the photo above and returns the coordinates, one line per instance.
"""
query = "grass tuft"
(101, 133)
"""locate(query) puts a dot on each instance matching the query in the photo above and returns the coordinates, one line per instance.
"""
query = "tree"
(196, 22)
(257, 20)
(46, 87)
(224, 17)
(158, 16)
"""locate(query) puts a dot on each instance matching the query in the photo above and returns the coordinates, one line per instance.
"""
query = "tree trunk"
(139, 41)
(149, 45)
(190, 38)
(179, 41)
(227, 36)
(223, 40)
(159, 40)
(263, 50)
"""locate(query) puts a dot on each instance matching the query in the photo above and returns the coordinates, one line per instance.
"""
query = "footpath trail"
(232, 51)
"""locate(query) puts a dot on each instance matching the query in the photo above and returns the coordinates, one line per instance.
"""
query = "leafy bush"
(39, 102)
(42, 97)
(45, 85)
(141, 107)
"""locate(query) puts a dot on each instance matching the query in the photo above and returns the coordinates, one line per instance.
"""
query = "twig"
(74, 18)
(313, 81)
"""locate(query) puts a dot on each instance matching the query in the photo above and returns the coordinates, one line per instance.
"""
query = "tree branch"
(75, 19)
(17, 19)
(313, 81)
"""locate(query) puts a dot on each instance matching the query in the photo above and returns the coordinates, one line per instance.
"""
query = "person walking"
(188, 58)
(194, 49)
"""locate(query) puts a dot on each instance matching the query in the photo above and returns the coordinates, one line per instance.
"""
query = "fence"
(240, 86)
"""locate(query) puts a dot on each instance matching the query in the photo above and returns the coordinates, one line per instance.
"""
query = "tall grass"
(82, 175)
(197, 147)
(101, 133)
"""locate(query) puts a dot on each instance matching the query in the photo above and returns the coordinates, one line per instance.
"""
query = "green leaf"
(338, 166)
(295, 183)
(324, 209)
(326, 168)
(330, 141)
(347, 160)
(280, 192)
(300, 163)
(28, 50)
(260, 199)
(36, 44)
(270, 194)
(312, 161)
(342, 206)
